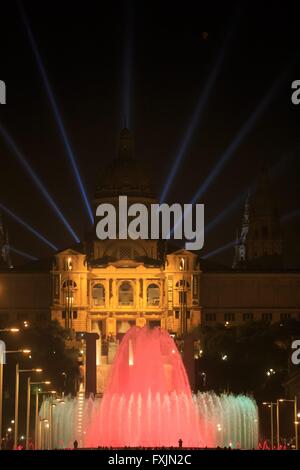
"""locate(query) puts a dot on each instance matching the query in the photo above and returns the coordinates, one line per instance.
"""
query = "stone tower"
(259, 242)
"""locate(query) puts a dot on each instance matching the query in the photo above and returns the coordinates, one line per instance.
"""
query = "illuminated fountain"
(148, 402)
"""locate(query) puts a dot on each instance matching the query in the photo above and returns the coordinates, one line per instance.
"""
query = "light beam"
(243, 133)
(57, 115)
(22, 253)
(127, 70)
(240, 199)
(12, 145)
(27, 226)
(219, 250)
(198, 112)
(284, 218)
(237, 202)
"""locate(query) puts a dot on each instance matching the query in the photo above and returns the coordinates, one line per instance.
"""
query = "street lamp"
(18, 371)
(29, 383)
(3, 353)
(38, 430)
(270, 405)
(41, 439)
(296, 414)
(9, 330)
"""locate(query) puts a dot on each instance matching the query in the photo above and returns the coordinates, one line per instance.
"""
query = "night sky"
(86, 51)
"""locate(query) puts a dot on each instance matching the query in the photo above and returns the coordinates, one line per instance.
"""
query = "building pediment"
(69, 252)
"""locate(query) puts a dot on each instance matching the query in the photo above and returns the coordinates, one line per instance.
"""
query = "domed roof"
(124, 175)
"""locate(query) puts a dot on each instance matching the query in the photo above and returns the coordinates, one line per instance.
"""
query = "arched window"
(182, 283)
(70, 288)
(153, 295)
(69, 283)
(125, 294)
(98, 294)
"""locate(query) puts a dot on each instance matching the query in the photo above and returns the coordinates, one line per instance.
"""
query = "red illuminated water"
(148, 400)
(148, 403)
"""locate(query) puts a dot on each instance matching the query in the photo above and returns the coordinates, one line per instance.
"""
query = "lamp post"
(18, 371)
(51, 406)
(37, 433)
(3, 353)
(270, 405)
(296, 422)
(29, 383)
(41, 439)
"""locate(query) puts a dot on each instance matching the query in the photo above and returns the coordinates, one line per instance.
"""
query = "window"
(188, 314)
(182, 297)
(68, 264)
(69, 283)
(266, 316)
(153, 294)
(177, 314)
(229, 316)
(74, 315)
(125, 294)
(210, 317)
(63, 314)
(183, 264)
(182, 283)
(98, 294)
(285, 316)
(125, 252)
(247, 316)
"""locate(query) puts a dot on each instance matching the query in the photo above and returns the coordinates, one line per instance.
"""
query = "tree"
(46, 340)
(251, 358)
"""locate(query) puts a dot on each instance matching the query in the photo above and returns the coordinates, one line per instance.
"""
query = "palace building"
(106, 286)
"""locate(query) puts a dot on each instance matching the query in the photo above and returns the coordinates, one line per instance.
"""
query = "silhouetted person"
(180, 443)
(75, 445)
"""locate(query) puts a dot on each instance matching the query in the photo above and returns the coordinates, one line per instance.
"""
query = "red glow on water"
(148, 400)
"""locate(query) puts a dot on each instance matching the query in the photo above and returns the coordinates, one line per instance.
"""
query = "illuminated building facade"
(106, 286)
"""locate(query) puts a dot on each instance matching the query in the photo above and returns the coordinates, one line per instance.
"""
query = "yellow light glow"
(130, 359)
